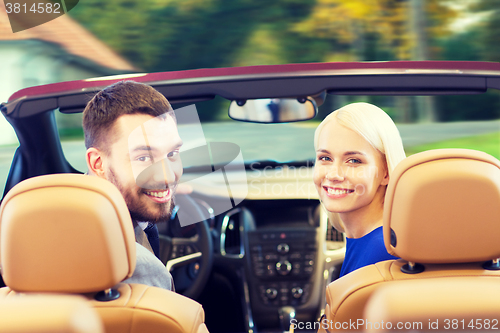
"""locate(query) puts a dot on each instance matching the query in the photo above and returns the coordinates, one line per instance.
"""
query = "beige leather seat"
(441, 217)
(430, 305)
(72, 234)
(48, 314)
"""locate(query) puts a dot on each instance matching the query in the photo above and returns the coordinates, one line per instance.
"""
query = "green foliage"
(470, 107)
(488, 28)
(164, 35)
(463, 46)
(174, 35)
(489, 143)
(121, 24)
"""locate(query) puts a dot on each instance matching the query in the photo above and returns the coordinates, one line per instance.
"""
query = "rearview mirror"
(273, 110)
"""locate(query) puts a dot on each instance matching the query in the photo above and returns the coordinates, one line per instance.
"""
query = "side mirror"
(273, 110)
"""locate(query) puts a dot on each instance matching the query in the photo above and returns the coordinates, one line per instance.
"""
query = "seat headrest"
(443, 206)
(65, 233)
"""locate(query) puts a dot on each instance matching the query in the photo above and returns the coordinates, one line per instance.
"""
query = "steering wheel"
(195, 251)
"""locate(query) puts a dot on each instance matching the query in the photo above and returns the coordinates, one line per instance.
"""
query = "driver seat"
(441, 217)
(72, 234)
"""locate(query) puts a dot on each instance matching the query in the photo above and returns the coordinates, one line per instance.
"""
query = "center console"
(282, 263)
(283, 274)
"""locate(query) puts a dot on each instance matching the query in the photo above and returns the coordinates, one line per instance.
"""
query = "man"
(132, 140)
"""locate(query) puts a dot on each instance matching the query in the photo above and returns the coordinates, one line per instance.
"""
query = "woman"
(357, 147)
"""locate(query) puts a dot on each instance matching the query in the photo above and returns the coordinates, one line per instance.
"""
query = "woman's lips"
(337, 192)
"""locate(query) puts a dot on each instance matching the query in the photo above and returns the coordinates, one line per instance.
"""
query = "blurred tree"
(420, 51)
(478, 40)
(462, 46)
(489, 27)
(162, 35)
(382, 30)
(121, 24)
(171, 34)
(353, 24)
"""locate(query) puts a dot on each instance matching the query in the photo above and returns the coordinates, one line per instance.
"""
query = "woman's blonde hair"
(373, 124)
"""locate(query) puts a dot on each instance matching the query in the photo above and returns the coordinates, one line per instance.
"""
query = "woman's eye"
(324, 158)
(354, 161)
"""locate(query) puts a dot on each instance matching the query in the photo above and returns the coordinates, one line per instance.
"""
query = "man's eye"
(143, 158)
(173, 153)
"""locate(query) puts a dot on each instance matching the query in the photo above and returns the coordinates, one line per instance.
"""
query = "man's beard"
(138, 211)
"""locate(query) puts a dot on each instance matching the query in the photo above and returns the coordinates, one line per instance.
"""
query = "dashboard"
(283, 247)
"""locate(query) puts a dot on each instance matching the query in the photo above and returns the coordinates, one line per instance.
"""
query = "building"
(59, 50)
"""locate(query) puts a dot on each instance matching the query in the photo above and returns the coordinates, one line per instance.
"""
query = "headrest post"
(107, 295)
(412, 268)
(493, 265)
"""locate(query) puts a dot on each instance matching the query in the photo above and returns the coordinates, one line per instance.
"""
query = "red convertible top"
(279, 81)
(356, 68)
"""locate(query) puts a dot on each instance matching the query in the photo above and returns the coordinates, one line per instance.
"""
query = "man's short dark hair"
(114, 101)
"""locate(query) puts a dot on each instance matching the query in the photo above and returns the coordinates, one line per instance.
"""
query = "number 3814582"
(35, 8)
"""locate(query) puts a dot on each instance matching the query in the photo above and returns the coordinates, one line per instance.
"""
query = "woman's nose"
(335, 173)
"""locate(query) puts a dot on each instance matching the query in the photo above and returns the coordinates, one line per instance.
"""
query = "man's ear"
(95, 162)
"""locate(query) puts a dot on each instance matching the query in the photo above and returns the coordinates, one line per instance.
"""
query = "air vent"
(333, 235)
(232, 234)
(334, 238)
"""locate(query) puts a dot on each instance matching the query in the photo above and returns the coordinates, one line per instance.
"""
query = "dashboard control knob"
(283, 267)
(297, 292)
(283, 248)
(271, 293)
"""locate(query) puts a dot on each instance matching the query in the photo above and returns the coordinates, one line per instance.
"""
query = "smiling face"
(349, 174)
(144, 164)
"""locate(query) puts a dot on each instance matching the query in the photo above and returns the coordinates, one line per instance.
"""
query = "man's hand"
(184, 189)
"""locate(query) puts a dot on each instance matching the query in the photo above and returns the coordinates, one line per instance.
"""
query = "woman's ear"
(385, 180)
(95, 162)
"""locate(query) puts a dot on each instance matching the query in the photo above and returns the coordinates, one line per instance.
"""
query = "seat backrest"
(430, 305)
(441, 214)
(72, 234)
(48, 314)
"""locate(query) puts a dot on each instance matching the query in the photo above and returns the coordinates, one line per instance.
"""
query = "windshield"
(461, 121)
(264, 145)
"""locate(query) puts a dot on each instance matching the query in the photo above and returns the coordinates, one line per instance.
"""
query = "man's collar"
(143, 225)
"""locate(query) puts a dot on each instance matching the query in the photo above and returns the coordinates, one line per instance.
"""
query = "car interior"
(270, 255)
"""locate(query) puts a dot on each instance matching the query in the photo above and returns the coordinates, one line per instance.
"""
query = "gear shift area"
(286, 314)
